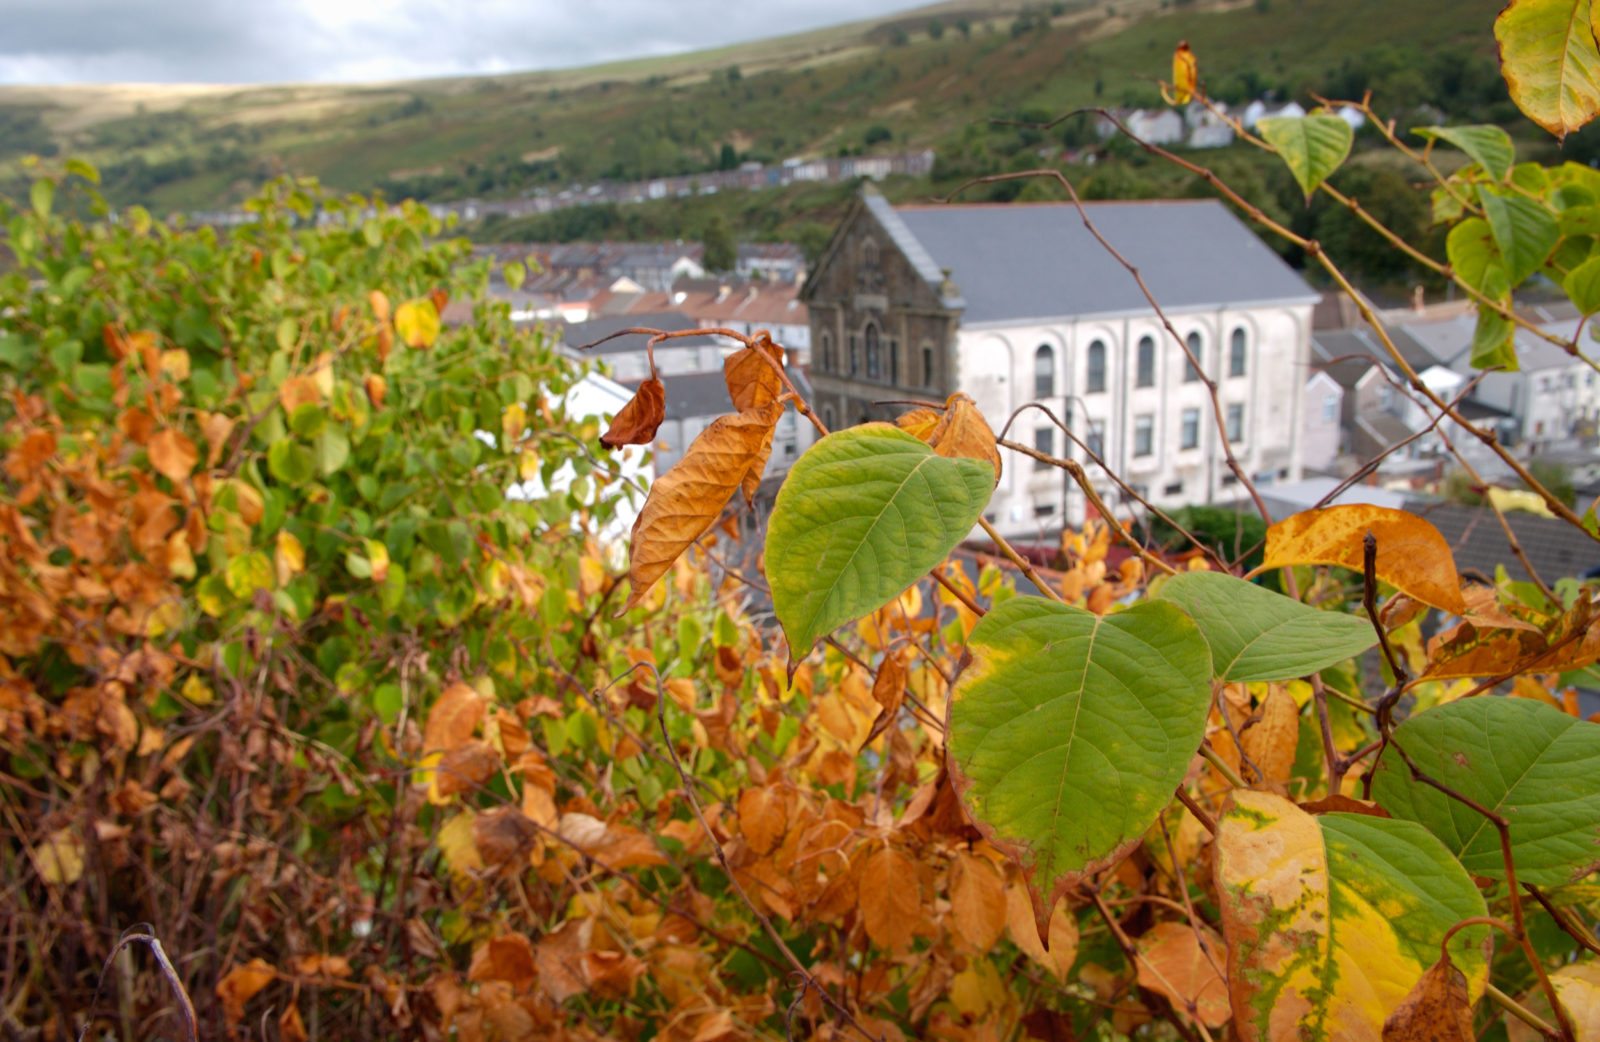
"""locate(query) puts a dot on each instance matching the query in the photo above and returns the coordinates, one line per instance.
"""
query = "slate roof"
(1349, 353)
(581, 333)
(1555, 548)
(1021, 262)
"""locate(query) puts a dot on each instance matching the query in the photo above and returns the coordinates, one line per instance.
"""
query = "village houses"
(1013, 304)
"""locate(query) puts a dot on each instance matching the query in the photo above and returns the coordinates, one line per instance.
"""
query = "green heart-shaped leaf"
(863, 514)
(1312, 146)
(1532, 763)
(1256, 634)
(1070, 730)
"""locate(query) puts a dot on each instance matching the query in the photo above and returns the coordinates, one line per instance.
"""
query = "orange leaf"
(977, 901)
(464, 768)
(752, 381)
(1437, 1010)
(1185, 74)
(1172, 963)
(891, 899)
(173, 454)
(1412, 556)
(290, 1027)
(763, 817)
(508, 957)
(504, 835)
(685, 502)
(455, 717)
(240, 984)
(889, 691)
(1023, 926)
(559, 957)
(961, 432)
(377, 388)
(297, 391)
(636, 422)
(1269, 739)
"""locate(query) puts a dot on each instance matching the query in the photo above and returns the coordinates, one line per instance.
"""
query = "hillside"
(929, 77)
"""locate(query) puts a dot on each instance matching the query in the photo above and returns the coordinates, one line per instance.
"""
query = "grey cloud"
(265, 41)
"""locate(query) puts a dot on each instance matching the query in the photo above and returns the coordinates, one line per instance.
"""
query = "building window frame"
(1189, 429)
(1144, 435)
(1238, 352)
(1044, 371)
(1145, 362)
(1095, 363)
(1235, 423)
(1044, 440)
(1196, 345)
(1095, 438)
(874, 351)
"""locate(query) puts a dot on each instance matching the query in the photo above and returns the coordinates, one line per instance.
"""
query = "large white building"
(1014, 304)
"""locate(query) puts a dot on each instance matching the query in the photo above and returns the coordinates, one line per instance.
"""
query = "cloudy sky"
(268, 41)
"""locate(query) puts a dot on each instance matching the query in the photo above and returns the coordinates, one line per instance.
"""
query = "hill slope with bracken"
(921, 78)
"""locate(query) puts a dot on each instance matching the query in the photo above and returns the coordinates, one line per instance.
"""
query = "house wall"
(1321, 411)
(866, 281)
(996, 367)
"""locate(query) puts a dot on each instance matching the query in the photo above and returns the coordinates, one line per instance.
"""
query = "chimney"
(722, 293)
(1418, 299)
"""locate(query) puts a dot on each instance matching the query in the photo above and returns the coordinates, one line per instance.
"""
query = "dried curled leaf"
(1185, 74)
(685, 502)
(752, 380)
(1437, 1010)
(636, 423)
(240, 984)
(889, 691)
(960, 432)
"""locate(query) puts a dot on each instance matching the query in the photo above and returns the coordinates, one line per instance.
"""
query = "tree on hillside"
(721, 251)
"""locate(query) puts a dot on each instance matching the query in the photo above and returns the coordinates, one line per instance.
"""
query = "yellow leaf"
(289, 556)
(456, 843)
(417, 322)
(1024, 930)
(1185, 74)
(175, 364)
(180, 559)
(58, 858)
(197, 691)
(1270, 738)
(684, 503)
(1412, 556)
(512, 423)
(960, 432)
(1550, 62)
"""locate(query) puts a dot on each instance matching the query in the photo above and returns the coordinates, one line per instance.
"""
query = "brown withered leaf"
(612, 975)
(685, 502)
(1437, 1009)
(960, 433)
(889, 691)
(1172, 963)
(559, 958)
(977, 900)
(464, 768)
(173, 455)
(240, 984)
(1338, 803)
(508, 957)
(615, 845)
(454, 719)
(504, 835)
(1269, 738)
(891, 898)
(752, 381)
(636, 423)
(763, 817)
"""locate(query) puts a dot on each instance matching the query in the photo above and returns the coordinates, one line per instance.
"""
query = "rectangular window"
(1191, 429)
(1174, 489)
(1044, 440)
(1236, 422)
(1043, 509)
(1330, 409)
(1096, 441)
(927, 366)
(1144, 435)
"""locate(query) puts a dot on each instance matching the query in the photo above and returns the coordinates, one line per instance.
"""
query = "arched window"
(1146, 376)
(1095, 379)
(1190, 373)
(894, 362)
(1237, 349)
(827, 416)
(827, 353)
(855, 355)
(874, 353)
(869, 253)
(1044, 372)
(927, 365)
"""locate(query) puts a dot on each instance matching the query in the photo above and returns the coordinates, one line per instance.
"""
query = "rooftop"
(1555, 548)
(1020, 262)
(580, 333)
